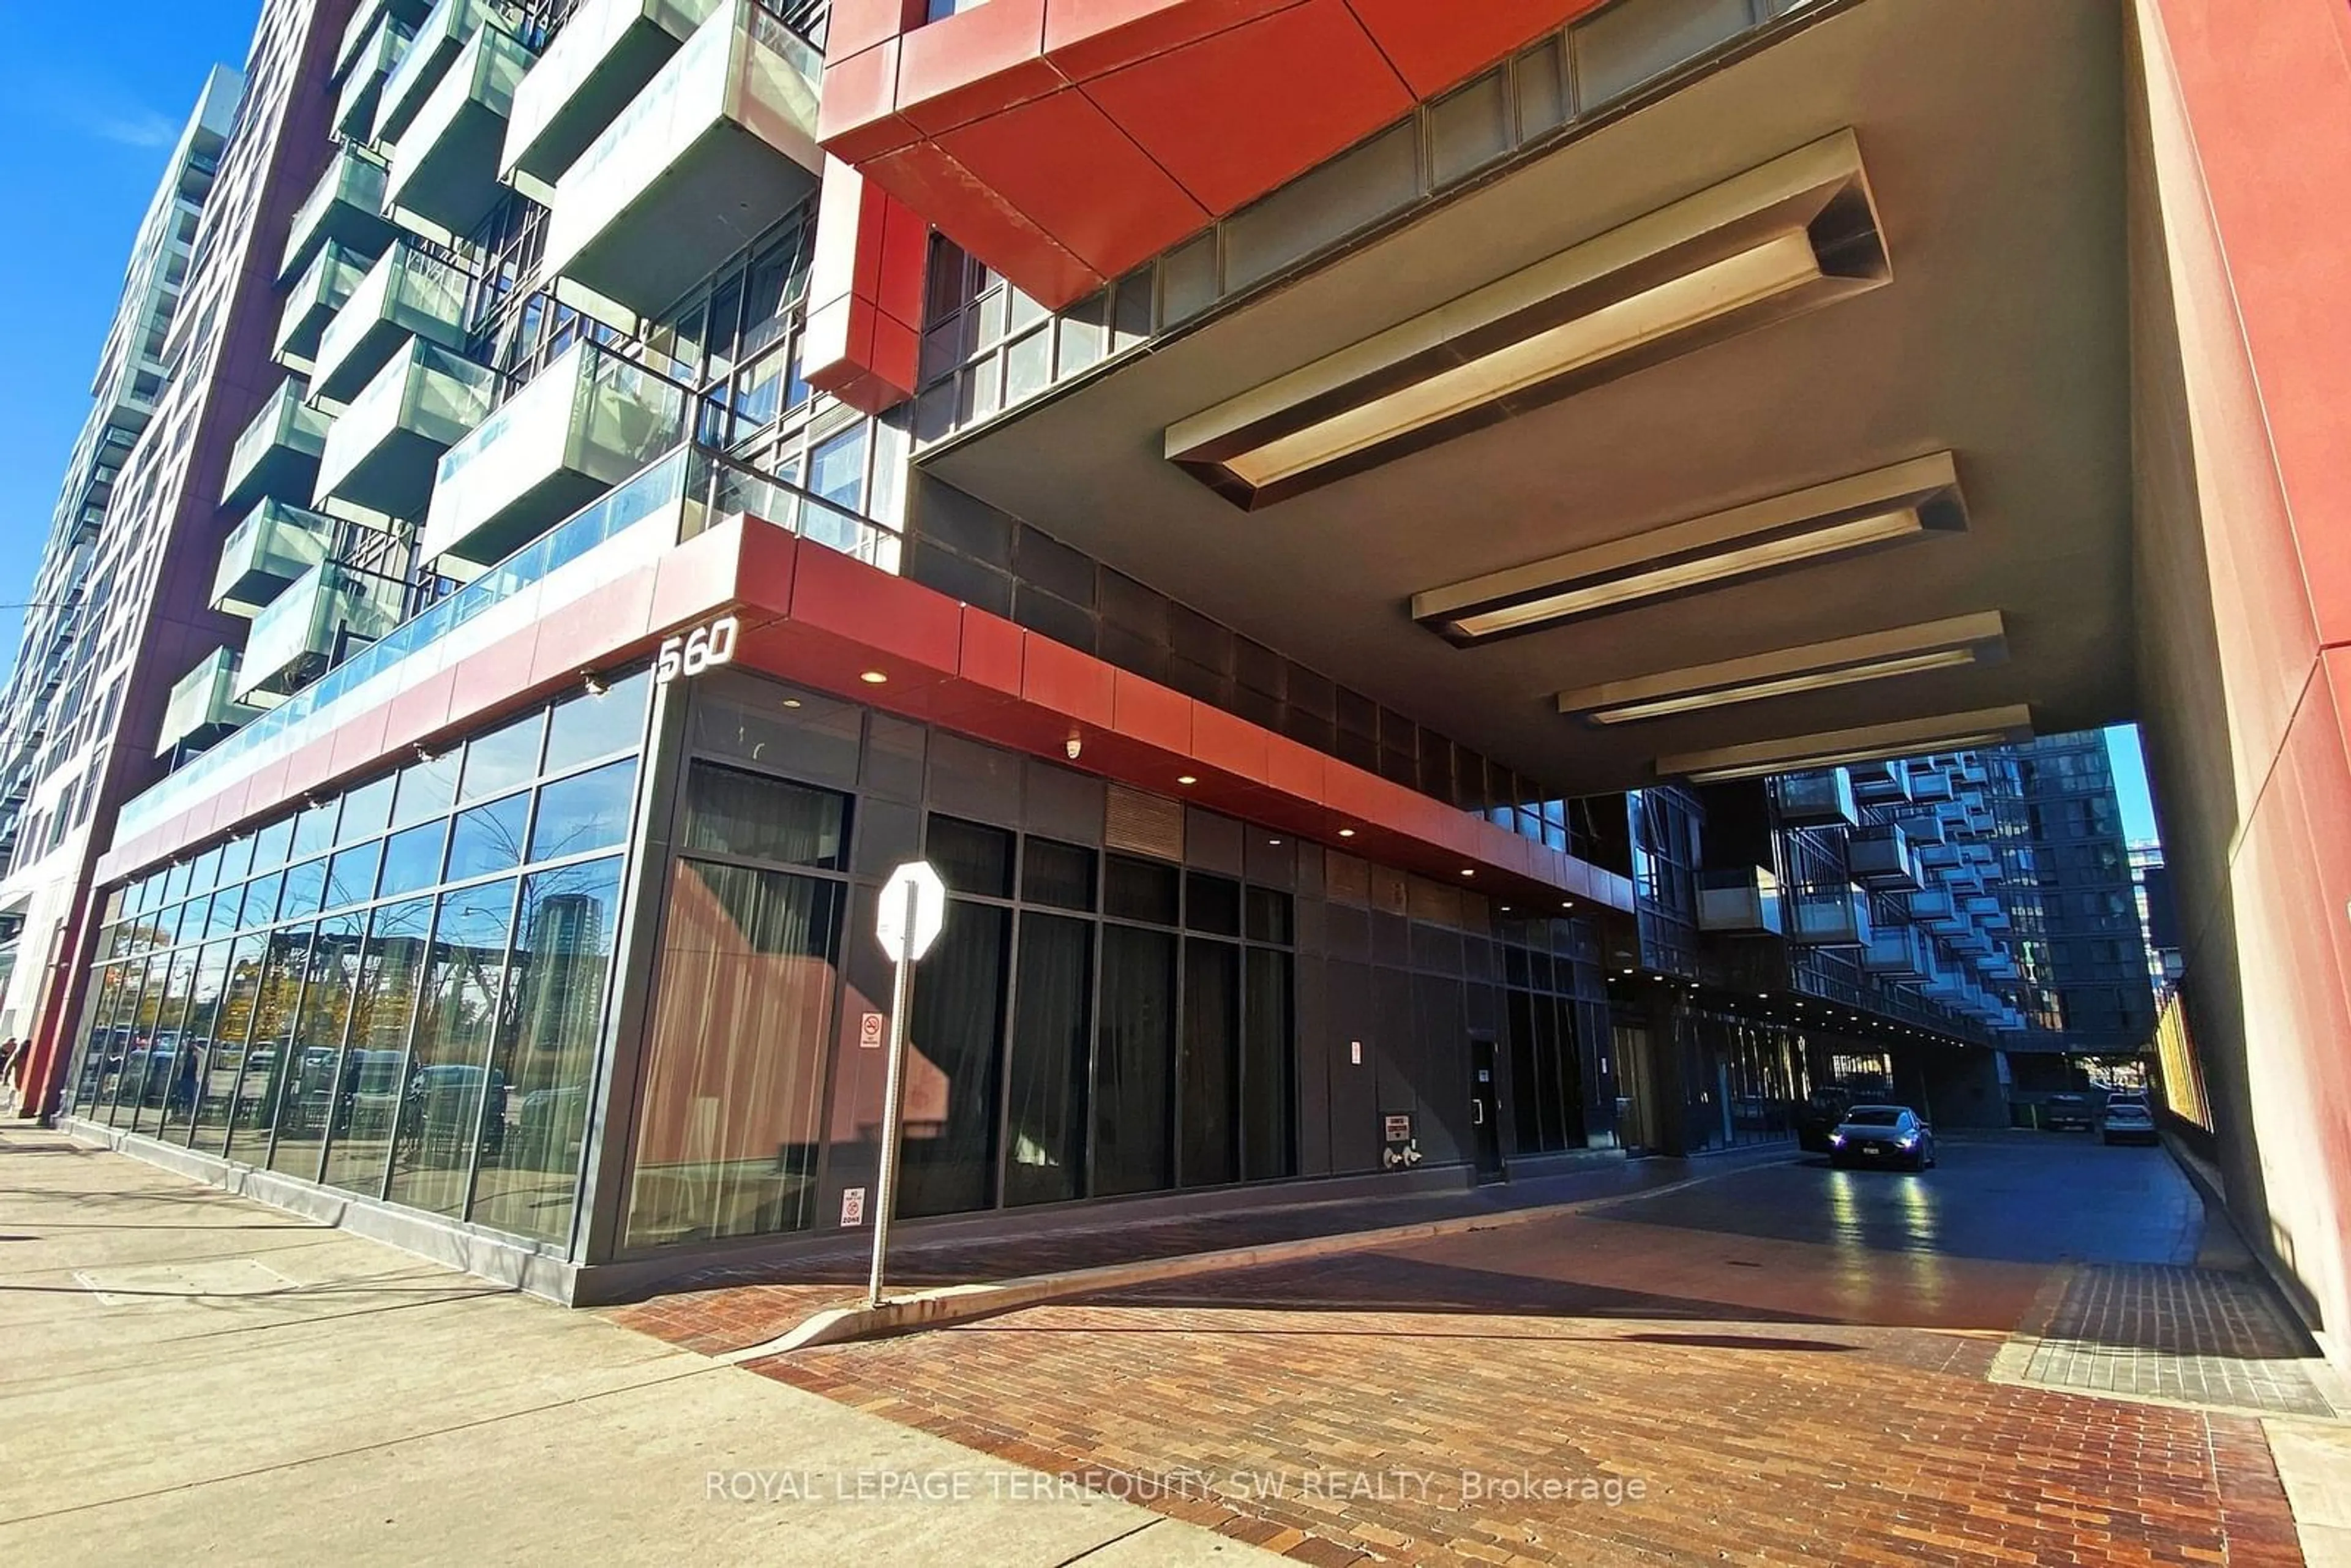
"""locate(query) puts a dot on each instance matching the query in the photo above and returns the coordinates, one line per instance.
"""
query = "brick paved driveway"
(1785, 1366)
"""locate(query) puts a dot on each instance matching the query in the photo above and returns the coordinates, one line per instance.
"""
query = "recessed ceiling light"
(1346, 832)
(874, 677)
(1275, 842)
(1784, 238)
(1959, 640)
(1469, 870)
(1186, 779)
(1833, 749)
(791, 702)
(1862, 511)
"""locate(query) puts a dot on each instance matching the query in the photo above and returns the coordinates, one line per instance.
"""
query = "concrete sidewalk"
(189, 1374)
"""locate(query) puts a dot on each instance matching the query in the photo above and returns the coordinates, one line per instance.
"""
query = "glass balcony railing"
(312, 302)
(1880, 857)
(409, 293)
(445, 170)
(363, 20)
(583, 424)
(601, 61)
(378, 56)
(1899, 952)
(1738, 899)
(263, 555)
(346, 208)
(316, 620)
(1829, 917)
(671, 499)
(1821, 799)
(278, 454)
(381, 452)
(203, 705)
(718, 145)
(439, 39)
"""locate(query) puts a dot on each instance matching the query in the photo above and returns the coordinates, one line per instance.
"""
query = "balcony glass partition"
(718, 145)
(202, 704)
(325, 610)
(363, 87)
(440, 38)
(278, 454)
(316, 296)
(345, 207)
(603, 56)
(445, 170)
(379, 455)
(583, 424)
(410, 293)
(263, 555)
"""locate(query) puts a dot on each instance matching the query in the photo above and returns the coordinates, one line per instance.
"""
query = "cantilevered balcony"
(1743, 899)
(1900, 952)
(1880, 783)
(445, 170)
(603, 56)
(381, 453)
(346, 208)
(204, 705)
(586, 423)
(1829, 917)
(1935, 908)
(1880, 858)
(379, 53)
(362, 23)
(278, 454)
(440, 38)
(312, 302)
(1821, 799)
(263, 555)
(718, 146)
(410, 293)
(327, 611)
(1929, 781)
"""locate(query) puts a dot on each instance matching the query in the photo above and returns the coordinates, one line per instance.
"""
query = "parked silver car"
(2128, 1119)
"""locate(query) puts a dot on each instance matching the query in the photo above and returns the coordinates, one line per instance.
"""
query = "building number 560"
(703, 648)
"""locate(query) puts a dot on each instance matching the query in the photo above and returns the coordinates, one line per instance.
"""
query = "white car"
(2127, 1120)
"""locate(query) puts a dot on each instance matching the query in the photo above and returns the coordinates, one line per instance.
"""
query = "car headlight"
(1836, 1137)
(1907, 1140)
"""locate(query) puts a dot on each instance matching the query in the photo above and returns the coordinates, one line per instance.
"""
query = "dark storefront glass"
(730, 1112)
(1268, 1079)
(1134, 1057)
(1210, 1065)
(948, 1156)
(731, 812)
(1044, 1156)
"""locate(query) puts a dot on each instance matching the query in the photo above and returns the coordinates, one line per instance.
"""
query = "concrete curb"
(968, 1303)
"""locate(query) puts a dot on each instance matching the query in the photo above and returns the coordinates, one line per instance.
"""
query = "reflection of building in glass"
(2159, 918)
(563, 937)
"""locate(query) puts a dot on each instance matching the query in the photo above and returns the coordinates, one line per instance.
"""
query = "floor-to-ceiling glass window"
(371, 1079)
(1050, 1057)
(448, 1087)
(953, 1048)
(730, 1108)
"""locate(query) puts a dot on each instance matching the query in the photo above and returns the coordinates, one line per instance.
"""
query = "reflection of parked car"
(371, 1095)
(309, 1093)
(549, 1126)
(2066, 1112)
(439, 1108)
(2127, 1120)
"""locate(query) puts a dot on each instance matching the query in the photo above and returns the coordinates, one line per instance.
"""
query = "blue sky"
(2130, 782)
(85, 125)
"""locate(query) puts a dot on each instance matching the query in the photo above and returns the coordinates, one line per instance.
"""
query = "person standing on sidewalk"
(9, 1050)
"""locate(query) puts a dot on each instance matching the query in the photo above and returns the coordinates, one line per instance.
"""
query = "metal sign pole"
(902, 998)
